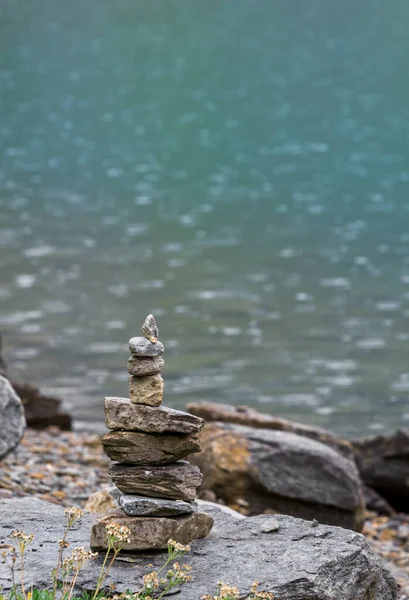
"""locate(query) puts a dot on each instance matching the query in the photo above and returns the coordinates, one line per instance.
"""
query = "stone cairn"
(155, 488)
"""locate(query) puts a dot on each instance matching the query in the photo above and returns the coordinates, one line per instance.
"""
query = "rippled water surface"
(241, 170)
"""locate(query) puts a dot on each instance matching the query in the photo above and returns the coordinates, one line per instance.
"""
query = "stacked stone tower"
(156, 488)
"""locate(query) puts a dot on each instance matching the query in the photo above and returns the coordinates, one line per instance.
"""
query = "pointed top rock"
(150, 329)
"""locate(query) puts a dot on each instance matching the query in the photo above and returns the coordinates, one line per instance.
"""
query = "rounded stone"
(140, 346)
(142, 366)
(142, 506)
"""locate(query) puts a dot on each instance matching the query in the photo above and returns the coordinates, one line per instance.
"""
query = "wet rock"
(152, 533)
(325, 563)
(120, 413)
(146, 390)
(142, 506)
(135, 447)
(383, 462)
(150, 329)
(244, 415)
(140, 346)
(279, 471)
(177, 482)
(12, 419)
(145, 366)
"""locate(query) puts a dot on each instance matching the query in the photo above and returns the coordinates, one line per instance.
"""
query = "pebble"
(270, 525)
(150, 329)
(139, 506)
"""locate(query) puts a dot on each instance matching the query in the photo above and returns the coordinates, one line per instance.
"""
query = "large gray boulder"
(280, 471)
(298, 561)
(12, 420)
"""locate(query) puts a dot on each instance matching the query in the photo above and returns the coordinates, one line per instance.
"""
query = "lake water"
(238, 168)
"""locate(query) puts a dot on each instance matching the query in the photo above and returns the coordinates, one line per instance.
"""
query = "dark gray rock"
(178, 481)
(280, 471)
(297, 562)
(122, 414)
(139, 448)
(141, 367)
(151, 533)
(142, 506)
(140, 346)
(383, 463)
(12, 420)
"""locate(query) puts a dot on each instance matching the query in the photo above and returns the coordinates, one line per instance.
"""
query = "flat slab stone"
(296, 562)
(152, 533)
(122, 414)
(178, 481)
(146, 390)
(145, 366)
(140, 346)
(142, 506)
(139, 448)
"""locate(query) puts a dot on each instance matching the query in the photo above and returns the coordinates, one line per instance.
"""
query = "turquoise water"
(241, 170)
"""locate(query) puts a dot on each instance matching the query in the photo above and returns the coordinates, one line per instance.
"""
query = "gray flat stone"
(12, 420)
(139, 448)
(142, 506)
(141, 366)
(324, 563)
(140, 346)
(121, 414)
(178, 481)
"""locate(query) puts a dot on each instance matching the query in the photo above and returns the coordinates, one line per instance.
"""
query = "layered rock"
(301, 560)
(279, 471)
(138, 448)
(11, 418)
(156, 489)
(178, 481)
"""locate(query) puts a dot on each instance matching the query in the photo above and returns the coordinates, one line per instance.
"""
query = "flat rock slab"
(122, 414)
(139, 448)
(152, 533)
(145, 366)
(140, 346)
(142, 506)
(297, 562)
(177, 482)
(146, 390)
(12, 420)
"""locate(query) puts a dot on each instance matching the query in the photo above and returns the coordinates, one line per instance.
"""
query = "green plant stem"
(101, 574)
(59, 560)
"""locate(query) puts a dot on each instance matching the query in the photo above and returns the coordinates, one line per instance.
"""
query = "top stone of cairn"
(150, 329)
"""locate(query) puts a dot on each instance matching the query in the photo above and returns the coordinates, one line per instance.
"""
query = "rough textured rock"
(150, 329)
(383, 462)
(102, 501)
(297, 562)
(140, 346)
(12, 421)
(244, 415)
(138, 448)
(145, 366)
(3, 365)
(146, 390)
(178, 481)
(152, 533)
(120, 413)
(139, 506)
(278, 471)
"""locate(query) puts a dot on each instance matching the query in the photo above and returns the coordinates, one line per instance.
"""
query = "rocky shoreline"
(66, 468)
